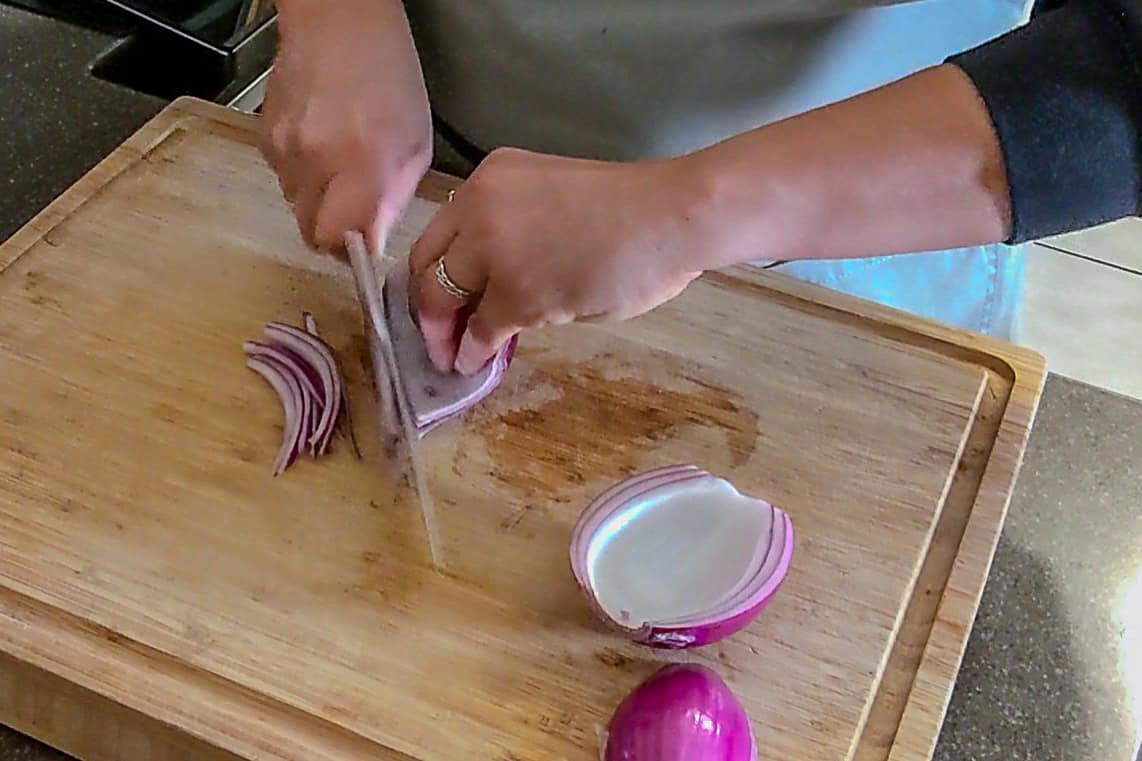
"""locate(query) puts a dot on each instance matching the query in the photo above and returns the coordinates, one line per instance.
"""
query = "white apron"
(629, 79)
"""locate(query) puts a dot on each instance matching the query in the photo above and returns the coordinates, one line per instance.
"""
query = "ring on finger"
(449, 285)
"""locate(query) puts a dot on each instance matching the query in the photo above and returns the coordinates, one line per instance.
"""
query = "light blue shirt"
(626, 79)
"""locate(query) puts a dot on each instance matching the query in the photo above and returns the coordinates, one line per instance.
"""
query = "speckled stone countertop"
(1053, 670)
(56, 120)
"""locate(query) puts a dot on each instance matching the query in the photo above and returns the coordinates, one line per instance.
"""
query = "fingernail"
(468, 359)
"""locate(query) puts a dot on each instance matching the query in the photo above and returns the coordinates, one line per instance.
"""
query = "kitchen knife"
(397, 426)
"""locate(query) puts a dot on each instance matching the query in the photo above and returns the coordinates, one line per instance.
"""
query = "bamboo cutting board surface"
(162, 597)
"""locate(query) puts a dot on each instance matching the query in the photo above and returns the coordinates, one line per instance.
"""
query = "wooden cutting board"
(162, 597)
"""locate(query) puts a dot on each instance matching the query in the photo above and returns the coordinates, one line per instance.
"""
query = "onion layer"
(433, 396)
(682, 713)
(678, 558)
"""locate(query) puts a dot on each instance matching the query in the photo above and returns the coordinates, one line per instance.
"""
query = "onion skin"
(682, 713)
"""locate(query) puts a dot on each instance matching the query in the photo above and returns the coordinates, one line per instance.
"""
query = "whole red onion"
(682, 713)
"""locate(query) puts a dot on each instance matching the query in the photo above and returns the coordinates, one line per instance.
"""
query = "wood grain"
(152, 573)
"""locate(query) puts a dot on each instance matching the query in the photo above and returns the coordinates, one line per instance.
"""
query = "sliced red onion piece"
(290, 360)
(303, 402)
(676, 557)
(289, 391)
(314, 352)
(310, 324)
(433, 396)
(682, 713)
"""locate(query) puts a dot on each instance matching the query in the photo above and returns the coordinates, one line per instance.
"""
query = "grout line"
(1089, 258)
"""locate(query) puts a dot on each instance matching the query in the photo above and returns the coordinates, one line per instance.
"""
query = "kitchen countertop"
(56, 120)
(1053, 670)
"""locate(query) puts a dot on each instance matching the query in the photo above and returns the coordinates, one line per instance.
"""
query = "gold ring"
(449, 285)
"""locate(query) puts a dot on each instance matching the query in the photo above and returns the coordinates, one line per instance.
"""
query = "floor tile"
(1119, 243)
(1086, 318)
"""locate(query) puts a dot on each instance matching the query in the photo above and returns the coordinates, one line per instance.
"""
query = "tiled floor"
(1084, 305)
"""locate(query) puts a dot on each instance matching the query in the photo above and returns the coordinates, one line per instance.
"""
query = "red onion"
(290, 360)
(682, 713)
(678, 558)
(304, 373)
(318, 356)
(433, 396)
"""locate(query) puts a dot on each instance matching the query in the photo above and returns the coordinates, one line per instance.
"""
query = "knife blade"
(397, 427)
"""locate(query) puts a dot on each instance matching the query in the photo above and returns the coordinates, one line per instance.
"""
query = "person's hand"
(346, 122)
(543, 240)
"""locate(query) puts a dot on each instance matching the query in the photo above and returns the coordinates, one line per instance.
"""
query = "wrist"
(299, 16)
(738, 196)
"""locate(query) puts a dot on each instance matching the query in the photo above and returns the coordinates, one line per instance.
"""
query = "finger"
(305, 211)
(489, 328)
(440, 315)
(433, 242)
(345, 207)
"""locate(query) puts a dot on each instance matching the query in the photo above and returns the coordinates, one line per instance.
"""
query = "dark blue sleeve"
(1065, 95)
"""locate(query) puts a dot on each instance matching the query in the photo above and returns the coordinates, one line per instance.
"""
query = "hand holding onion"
(547, 240)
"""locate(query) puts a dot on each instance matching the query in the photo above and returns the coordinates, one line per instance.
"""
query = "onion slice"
(289, 391)
(676, 557)
(302, 369)
(319, 356)
(290, 360)
(682, 713)
(433, 396)
(310, 324)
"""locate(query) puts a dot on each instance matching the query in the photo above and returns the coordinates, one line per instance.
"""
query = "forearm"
(913, 166)
(1035, 133)
(299, 16)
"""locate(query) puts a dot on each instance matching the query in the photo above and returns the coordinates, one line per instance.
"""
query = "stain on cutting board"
(599, 419)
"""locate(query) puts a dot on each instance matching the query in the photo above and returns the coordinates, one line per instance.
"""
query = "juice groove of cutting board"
(162, 597)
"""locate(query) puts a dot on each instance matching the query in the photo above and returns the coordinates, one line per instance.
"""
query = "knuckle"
(309, 138)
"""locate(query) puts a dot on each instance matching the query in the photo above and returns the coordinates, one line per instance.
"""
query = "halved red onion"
(289, 391)
(433, 396)
(682, 713)
(676, 557)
